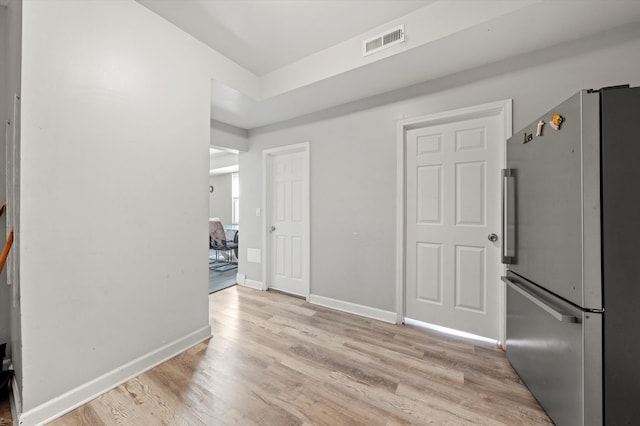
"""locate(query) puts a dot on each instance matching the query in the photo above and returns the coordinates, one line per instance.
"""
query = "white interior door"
(287, 222)
(452, 207)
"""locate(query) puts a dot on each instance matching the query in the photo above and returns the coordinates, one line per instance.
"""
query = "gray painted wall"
(222, 160)
(114, 196)
(226, 136)
(220, 198)
(353, 156)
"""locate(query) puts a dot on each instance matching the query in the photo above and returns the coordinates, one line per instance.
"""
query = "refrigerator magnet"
(539, 129)
(556, 121)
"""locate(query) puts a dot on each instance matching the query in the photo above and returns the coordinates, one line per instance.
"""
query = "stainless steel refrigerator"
(571, 242)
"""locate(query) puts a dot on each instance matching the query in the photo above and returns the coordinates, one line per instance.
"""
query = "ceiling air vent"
(382, 41)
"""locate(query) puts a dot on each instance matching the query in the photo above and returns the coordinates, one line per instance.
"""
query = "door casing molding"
(266, 246)
(502, 109)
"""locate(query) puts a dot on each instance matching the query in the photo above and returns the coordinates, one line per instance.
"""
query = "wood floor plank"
(277, 360)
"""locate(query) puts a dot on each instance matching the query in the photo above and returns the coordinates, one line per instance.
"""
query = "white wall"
(115, 138)
(220, 198)
(353, 156)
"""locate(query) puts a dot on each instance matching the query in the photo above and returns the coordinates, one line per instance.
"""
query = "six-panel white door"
(452, 207)
(287, 217)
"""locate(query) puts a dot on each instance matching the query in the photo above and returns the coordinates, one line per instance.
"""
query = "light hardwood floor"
(277, 360)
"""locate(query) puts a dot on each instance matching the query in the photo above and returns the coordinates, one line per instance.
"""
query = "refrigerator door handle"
(508, 217)
(539, 303)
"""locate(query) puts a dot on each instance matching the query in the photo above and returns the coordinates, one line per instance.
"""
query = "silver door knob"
(273, 228)
(493, 238)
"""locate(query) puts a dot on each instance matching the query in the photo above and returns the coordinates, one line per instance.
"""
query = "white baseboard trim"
(254, 284)
(240, 278)
(74, 398)
(353, 308)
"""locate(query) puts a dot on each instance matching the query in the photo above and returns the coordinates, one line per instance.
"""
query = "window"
(235, 198)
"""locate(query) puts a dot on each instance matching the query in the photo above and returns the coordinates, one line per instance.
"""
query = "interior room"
(224, 212)
(369, 273)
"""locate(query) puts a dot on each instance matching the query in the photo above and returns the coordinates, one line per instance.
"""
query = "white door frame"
(502, 109)
(266, 212)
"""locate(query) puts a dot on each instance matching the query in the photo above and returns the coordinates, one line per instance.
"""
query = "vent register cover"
(382, 41)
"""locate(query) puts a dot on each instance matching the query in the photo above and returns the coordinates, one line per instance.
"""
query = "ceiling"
(304, 56)
(264, 35)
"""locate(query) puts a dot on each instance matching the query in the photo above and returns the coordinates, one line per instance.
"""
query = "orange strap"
(6, 250)
(4, 206)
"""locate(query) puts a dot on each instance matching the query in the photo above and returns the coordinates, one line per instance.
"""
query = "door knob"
(273, 228)
(493, 238)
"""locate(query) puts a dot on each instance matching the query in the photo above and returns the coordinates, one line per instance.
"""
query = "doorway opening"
(224, 226)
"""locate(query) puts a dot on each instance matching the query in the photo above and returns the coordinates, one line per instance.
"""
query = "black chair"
(218, 242)
(235, 241)
(228, 248)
